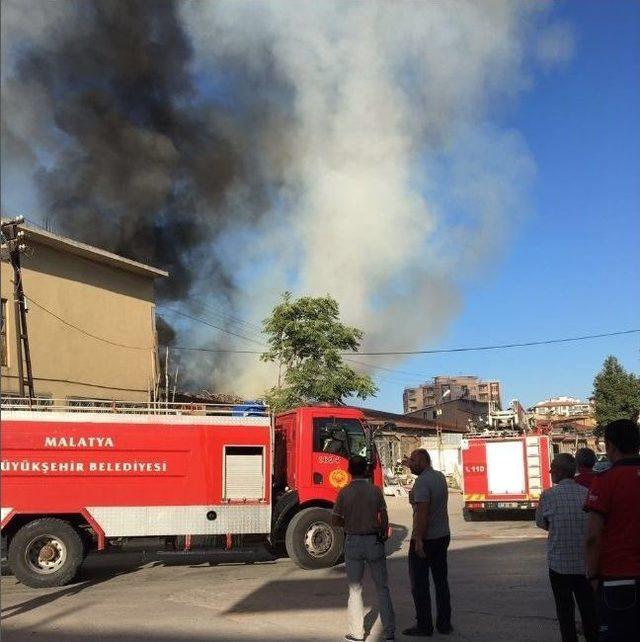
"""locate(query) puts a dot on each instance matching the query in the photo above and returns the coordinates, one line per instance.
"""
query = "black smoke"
(144, 165)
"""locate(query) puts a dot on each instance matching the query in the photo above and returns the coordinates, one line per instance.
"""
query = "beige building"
(91, 321)
(562, 407)
(444, 389)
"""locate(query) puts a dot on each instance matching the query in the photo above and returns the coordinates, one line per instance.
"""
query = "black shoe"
(445, 630)
(416, 631)
(352, 638)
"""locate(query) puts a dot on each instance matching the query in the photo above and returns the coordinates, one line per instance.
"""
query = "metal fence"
(43, 404)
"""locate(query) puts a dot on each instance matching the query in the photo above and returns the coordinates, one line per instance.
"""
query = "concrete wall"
(454, 413)
(100, 299)
(445, 454)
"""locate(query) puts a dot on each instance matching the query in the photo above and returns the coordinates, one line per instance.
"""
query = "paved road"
(497, 574)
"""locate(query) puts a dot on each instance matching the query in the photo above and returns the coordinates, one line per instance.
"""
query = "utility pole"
(14, 240)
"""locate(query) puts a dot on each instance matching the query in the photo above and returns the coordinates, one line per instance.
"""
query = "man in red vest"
(613, 534)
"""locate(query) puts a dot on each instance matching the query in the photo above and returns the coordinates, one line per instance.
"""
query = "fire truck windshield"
(344, 437)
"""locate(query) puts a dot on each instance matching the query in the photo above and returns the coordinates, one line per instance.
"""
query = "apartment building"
(562, 407)
(444, 388)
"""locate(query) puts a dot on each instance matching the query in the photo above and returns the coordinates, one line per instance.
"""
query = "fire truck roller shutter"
(311, 541)
(244, 474)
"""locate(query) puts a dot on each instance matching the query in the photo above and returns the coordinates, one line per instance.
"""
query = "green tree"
(616, 393)
(306, 339)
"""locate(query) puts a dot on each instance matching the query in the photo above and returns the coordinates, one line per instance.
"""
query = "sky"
(572, 268)
(453, 179)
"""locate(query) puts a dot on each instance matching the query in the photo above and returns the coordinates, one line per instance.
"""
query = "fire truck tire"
(470, 516)
(88, 543)
(46, 552)
(311, 541)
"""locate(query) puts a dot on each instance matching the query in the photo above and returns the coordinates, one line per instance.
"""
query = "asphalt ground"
(497, 573)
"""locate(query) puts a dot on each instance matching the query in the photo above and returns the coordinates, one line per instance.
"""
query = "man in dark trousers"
(360, 508)
(585, 461)
(561, 513)
(429, 543)
(613, 535)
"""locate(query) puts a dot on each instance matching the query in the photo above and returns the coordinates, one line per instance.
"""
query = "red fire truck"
(193, 477)
(502, 473)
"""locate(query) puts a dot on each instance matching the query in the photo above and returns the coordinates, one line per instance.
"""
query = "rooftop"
(452, 379)
(405, 421)
(90, 252)
(559, 401)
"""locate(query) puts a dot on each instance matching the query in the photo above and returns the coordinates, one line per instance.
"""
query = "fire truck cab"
(193, 477)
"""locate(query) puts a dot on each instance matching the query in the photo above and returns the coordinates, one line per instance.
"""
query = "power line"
(501, 346)
(212, 350)
(249, 325)
(82, 330)
(415, 352)
(371, 365)
(380, 353)
(123, 345)
(215, 310)
(218, 312)
(212, 325)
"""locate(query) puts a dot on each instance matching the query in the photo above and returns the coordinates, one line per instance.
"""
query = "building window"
(3, 333)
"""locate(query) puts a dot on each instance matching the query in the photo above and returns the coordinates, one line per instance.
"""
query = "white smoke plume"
(398, 179)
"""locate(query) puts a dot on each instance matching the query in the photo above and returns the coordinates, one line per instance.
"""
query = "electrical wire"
(385, 353)
(250, 326)
(212, 325)
(371, 365)
(226, 317)
(82, 330)
(211, 350)
(501, 346)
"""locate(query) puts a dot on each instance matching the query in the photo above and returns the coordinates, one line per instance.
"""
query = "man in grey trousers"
(360, 508)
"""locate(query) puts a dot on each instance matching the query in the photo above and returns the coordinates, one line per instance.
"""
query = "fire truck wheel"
(88, 543)
(470, 516)
(311, 541)
(46, 552)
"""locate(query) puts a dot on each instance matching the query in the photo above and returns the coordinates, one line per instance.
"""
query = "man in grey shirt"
(360, 508)
(429, 543)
